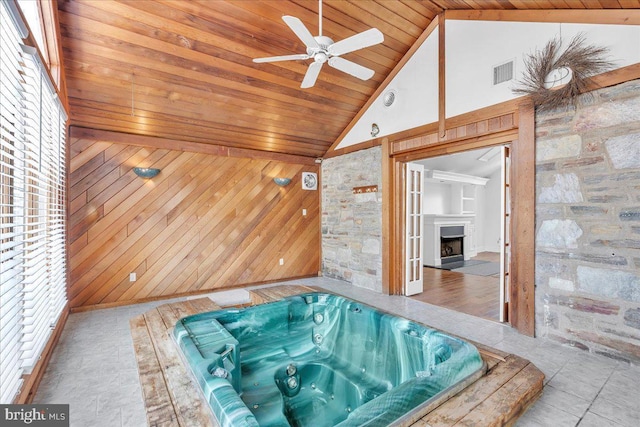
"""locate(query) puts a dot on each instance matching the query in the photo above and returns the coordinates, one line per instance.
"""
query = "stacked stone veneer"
(352, 223)
(588, 223)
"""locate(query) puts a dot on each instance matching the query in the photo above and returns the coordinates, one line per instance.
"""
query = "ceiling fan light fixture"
(322, 49)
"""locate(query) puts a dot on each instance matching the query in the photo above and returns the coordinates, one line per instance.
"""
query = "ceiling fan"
(322, 49)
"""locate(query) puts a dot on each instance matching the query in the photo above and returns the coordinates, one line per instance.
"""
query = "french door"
(413, 235)
(505, 238)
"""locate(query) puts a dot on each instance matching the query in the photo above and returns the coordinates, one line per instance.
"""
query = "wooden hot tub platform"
(172, 398)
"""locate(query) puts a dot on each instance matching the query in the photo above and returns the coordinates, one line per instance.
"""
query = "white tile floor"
(93, 368)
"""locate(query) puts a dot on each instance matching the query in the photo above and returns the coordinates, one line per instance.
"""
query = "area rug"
(484, 269)
(456, 264)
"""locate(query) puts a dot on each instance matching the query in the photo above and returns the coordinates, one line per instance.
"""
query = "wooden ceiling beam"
(609, 16)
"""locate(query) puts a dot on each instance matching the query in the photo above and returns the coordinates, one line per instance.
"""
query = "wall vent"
(503, 73)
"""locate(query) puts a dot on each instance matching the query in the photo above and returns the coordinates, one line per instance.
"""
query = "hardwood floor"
(466, 293)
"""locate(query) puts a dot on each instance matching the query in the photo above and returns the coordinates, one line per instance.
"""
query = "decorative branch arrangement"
(544, 70)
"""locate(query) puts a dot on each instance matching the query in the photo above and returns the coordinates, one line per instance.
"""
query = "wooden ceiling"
(183, 70)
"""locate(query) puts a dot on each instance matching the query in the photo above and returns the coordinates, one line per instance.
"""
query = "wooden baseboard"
(32, 380)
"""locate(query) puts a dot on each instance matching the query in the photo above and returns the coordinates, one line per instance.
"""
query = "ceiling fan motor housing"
(320, 54)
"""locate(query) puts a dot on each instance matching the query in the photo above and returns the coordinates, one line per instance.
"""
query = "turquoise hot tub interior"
(319, 359)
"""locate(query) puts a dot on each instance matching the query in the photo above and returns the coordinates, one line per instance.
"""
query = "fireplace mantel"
(432, 224)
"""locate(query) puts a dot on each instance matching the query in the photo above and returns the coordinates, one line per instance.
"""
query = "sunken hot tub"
(318, 359)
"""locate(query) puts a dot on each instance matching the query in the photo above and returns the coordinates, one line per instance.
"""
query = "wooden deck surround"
(172, 398)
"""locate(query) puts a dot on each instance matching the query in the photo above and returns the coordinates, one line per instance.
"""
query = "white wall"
(478, 46)
(416, 87)
(473, 49)
(436, 198)
(492, 213)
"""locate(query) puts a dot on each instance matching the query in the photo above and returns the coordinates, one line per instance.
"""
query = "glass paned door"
(413, 229)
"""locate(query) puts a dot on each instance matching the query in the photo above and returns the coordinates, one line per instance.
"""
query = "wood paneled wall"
(205, 222)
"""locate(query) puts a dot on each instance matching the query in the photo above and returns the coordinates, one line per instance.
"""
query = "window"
(32, 206)
(31, 12)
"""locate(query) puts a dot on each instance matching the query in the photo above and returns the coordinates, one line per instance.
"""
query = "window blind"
(32, 206)
(12, 207)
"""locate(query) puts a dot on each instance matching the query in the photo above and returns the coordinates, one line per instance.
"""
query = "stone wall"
(352, 223)
(588, 223)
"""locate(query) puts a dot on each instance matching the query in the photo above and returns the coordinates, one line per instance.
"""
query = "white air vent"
(503, 73)
(389, 98)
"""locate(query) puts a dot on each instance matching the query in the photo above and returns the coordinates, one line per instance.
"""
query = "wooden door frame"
(508, 123)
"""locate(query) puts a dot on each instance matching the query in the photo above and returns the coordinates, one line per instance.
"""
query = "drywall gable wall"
(416, 88)
(473, 48)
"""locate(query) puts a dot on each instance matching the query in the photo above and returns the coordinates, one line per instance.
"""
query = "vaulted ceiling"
(183, 70)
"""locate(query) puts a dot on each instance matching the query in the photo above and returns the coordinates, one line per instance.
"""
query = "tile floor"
(93, 368)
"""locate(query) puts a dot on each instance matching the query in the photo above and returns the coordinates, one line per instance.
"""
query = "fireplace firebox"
(451, 244)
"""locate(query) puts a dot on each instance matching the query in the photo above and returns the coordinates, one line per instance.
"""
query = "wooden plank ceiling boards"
(183, 70)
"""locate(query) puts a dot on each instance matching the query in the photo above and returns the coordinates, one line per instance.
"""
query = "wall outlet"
(304, 212)
(281, 261)
(132, 277)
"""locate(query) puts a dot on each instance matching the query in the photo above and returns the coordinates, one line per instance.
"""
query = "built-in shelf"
(463, 198)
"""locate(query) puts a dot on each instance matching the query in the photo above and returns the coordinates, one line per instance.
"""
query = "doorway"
(465, 227)
(509, 123)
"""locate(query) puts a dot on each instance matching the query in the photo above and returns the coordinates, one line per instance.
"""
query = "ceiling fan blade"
(301, 31)
(352, 68)
(358, 41)
(311, 75)
(282, 58)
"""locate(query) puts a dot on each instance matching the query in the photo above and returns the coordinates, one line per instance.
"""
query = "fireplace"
(448, 239)
(451, 244)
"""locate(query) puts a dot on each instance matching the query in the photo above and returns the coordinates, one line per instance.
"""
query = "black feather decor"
(578, 59)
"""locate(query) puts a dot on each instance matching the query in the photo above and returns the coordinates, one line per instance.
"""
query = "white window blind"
(12, 214)
(32, 221)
